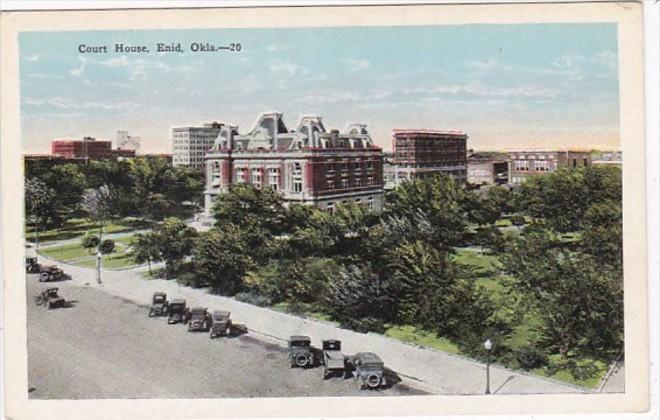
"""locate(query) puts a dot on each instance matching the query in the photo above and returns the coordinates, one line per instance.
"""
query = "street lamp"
(98, 267)
(488, 345)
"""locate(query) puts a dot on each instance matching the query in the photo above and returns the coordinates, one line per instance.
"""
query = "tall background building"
(308, 165)
(424, 153)
(190, 144)
(126, 141)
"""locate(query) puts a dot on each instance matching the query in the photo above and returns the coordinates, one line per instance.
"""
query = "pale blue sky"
(506, 86)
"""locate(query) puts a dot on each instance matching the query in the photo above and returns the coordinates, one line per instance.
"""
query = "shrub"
(107, 246)
(253, 299)
(190, 280)
(90, 241)
(531, 358)
(365, 325)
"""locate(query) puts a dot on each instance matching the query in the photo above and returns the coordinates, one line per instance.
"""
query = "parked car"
(50, 298)
(50, 273)
(368, 371)
(300, 351)
(220, 324)
(31, 265)
(177, 311)
(159, 304)
(334, 360)
(199, 320)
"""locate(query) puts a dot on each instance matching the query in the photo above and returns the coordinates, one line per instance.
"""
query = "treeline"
(147, 187)
(561, 259)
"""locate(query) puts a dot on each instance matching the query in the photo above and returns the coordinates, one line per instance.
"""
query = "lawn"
(482, 264)
(75, 254)
(75, 228)
(306, 310)
(414, 335)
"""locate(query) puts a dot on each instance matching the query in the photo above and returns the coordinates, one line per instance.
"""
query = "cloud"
(43, 76)
(137, 68)
(78, 71)
(488, 65)
(329, 97)
(33, 58)
(276, 47)
(287, 68)
(481, 90)
(357, 65)
(568, 61)
(68, 103)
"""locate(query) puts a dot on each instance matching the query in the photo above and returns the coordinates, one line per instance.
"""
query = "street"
(103, 346)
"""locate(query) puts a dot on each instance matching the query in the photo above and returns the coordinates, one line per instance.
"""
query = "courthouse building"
(424, 153)
(525, 163)
(190, 144)
(308, 165)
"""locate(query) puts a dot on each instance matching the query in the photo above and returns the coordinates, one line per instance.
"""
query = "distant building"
(88, 148)
(127, 142)
(488, 168)
(308, 165)
(607, 158)
(525, 163)
(424, 153)
(190, 144)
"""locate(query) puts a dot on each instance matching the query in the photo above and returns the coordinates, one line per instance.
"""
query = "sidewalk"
(426, 369)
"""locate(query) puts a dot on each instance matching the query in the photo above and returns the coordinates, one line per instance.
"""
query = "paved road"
(433, 371)
(103, 346)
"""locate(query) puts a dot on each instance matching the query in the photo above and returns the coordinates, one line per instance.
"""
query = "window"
(331, 185)
(370, 180)
(344, 183)
(370, 203)
(358, 182)
(541, 166)
(521, 165)
(296, 176)
(574, 163)
(256, 178)
(585, 162)
(330, 207)
(240, 175)
(274, 178)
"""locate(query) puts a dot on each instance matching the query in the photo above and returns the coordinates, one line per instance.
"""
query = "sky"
(506, 86)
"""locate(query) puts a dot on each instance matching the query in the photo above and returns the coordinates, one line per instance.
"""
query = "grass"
(75, 254)
(79, 227)
(482, 264)
(414, 335)
(307, 310)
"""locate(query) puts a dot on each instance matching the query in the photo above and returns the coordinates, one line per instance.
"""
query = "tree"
(174, 241)
(38, 204)
(145, 249)
(579, 303)
(441, 200)
(98, 204)
(89, 242)
(251, 208)
(518, 220)
(357, 298)
(603, 234)
(107, 246)
(222, 259)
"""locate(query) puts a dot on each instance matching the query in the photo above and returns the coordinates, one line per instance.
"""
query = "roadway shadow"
(509, 379)
(237, 330)
(69, 304)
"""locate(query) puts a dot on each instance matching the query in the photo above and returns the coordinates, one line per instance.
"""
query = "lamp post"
(98, 267)
(488, 345)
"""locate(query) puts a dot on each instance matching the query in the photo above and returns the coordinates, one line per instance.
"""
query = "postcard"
(324, 211)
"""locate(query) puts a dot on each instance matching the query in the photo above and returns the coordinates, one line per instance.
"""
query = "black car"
(159, 304)
(177, 311)
(300, 351)
(368, 371)
(31, 265)
(199, 320)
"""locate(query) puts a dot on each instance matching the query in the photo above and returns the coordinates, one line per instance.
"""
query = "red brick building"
(525, 163)
(424, 153)
(307, 165)
(88, 148)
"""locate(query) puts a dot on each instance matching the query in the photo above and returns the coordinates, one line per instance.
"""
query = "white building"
(190, 144)
(126, 141)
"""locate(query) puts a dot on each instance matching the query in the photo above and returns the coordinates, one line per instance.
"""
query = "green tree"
(89, 242)
(602, 236)
(222, 259)
(99, 206)
(580, 304)
(440, 200)
(39, 204)
(174, 242)
(251, 208)
(146, 249)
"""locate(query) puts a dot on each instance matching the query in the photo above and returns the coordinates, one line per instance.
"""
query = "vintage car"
(220, 324)
(177, 311)
(368, 370)
(31, 265)
(334, 360)
(50, 298)
(159, 304)
(50, 273)
(199, 320)
(300, 351)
